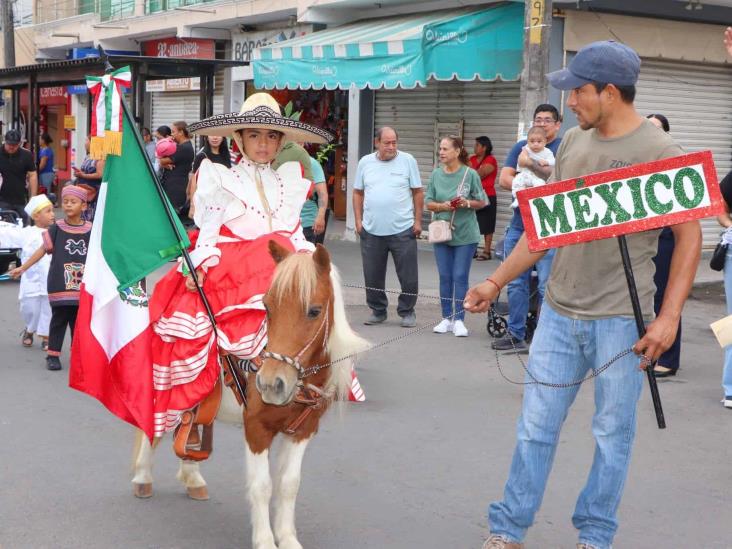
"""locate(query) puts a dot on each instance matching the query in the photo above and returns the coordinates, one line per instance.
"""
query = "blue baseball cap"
(607, 62)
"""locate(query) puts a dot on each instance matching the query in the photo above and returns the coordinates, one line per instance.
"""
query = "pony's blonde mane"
(298, 274)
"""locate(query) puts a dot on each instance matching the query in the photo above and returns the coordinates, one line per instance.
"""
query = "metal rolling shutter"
(697, 100)
(483, 108)
(168, 107)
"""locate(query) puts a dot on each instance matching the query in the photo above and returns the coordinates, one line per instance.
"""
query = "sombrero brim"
(226, 124)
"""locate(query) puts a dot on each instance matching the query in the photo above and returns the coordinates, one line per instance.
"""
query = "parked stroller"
(9, 255)
(497, 325)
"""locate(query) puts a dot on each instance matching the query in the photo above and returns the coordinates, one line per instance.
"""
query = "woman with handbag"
(726, 187)
(454, 194)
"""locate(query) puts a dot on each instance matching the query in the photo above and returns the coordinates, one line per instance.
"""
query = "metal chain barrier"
(533, 381)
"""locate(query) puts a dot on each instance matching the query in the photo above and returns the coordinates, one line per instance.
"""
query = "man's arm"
(418, 200)
(525, 161)
(661, 333)
(33, 183)
(479, 298)
(505, 179)
(358, 208)
(319, 224)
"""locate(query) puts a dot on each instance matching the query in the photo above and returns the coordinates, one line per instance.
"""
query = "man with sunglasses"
(545, 116)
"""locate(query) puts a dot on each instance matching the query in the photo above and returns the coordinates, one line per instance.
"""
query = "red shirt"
(489, 181)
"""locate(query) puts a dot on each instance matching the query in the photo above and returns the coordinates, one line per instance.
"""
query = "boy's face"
(536, 142)
(45, 218)
(73, 206)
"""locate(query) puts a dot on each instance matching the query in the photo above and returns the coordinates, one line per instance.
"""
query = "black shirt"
(726, 187)
(216, 158)
(182, 160)
(14, 168)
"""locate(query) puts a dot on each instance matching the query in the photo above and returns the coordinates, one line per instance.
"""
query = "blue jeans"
(453, 265)
(519, 288)
(727, 372)
(564, 350)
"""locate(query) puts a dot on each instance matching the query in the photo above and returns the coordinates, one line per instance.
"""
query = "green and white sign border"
(622, 201)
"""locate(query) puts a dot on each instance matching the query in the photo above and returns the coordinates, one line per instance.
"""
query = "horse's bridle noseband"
(295, 361)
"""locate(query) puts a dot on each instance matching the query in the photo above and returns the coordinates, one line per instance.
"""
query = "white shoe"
(459, 329)
(443, 327)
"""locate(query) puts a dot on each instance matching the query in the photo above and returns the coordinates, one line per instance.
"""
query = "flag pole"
(641, 325)
(171, 215)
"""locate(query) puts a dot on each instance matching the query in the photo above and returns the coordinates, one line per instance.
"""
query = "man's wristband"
(489, 279)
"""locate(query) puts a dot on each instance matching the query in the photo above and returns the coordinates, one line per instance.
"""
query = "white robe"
(33, 283)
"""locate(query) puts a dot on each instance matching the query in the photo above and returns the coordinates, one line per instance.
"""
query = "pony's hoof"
(289, 543)
(142, 490)
(199, 493)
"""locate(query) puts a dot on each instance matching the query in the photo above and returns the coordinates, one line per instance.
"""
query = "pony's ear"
(322, 259)
(277, 251)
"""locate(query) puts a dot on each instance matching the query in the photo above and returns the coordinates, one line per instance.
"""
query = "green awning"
(405, 51)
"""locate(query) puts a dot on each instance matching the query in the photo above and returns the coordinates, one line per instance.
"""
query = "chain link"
(533, 381)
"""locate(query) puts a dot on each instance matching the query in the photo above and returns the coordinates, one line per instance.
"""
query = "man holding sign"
(587, 318)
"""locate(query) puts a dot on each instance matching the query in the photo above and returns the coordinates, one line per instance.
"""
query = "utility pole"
(8, 33)
(537, 30)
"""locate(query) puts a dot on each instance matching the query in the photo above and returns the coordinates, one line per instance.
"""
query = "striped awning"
(406, 51)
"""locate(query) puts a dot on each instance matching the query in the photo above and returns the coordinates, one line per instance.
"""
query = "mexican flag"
(130, 238)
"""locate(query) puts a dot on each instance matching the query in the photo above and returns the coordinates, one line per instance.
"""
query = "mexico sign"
(622, 201)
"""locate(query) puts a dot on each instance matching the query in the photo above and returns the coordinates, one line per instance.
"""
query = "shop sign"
(188, 48)
(621, 201)
(53, 96)
(173, 84)
(69, 122)
(243, 44)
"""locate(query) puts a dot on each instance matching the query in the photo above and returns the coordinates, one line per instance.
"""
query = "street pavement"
(415, 466)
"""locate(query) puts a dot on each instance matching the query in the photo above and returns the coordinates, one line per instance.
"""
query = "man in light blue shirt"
(387, 202)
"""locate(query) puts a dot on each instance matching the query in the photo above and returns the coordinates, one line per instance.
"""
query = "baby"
(165, 147)
(538, 152)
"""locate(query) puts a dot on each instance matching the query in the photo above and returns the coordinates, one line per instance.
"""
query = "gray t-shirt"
(587, 280)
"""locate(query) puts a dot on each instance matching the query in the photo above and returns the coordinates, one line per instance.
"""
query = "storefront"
(53, 118)
(688, 81)
(427, 78)
(176, 99)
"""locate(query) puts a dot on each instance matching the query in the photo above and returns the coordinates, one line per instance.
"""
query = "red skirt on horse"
(185, 351)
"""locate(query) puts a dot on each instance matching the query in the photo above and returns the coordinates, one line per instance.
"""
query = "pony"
(306, 366)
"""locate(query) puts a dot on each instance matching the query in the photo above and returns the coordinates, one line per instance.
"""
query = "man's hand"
(479, 298)
(523, 160)
(319, 224)
(417, 227)
(728, 40)
(16, 273)
(543, 163)
(660, 335)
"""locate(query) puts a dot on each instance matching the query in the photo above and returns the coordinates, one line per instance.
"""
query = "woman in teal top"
(454, 187)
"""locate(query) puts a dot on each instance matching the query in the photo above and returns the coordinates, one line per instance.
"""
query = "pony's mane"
(298, 274)
(342, 341)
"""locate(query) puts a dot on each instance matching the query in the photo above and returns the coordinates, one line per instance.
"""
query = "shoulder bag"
(440, 230)
(718, 257)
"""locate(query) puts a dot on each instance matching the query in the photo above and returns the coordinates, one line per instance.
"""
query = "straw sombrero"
(260, 111)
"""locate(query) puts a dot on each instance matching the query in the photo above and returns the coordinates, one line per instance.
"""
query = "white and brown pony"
(300, 376)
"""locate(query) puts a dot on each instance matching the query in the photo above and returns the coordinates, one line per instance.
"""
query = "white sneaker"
(443, 327)
(459, 329)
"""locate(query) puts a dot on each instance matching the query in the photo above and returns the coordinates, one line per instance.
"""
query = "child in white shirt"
(34, 306)
(537, 150)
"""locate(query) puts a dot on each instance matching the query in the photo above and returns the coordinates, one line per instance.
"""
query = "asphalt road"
(413, 467)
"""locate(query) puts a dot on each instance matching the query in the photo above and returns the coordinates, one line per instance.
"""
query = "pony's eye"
(314, 312)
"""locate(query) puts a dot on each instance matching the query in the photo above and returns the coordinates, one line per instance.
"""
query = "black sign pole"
(638, 314)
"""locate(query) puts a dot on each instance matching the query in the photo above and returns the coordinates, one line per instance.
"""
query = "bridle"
(294, 361)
